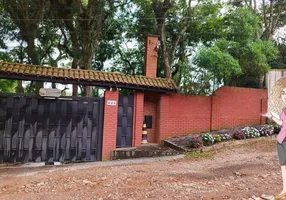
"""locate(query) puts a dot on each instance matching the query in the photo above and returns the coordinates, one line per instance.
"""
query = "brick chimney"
(151, 55)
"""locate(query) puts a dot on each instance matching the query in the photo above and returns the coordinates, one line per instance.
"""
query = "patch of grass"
(198, 155)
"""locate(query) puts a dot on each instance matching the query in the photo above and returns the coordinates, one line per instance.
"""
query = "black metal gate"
(125, 121)
(41, 129)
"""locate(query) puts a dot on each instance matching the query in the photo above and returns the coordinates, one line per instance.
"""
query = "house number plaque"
(111, 103)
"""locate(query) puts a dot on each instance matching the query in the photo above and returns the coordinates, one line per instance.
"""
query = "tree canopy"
(203, 44)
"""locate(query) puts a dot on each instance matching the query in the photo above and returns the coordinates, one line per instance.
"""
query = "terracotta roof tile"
(110, 77)
(143, 81)
(147, 80)
(105, 77)
(161, 84)
(155, 82)
(21, 70)
(132, 80)
(96, 76)
(81, 74)
(35, 72)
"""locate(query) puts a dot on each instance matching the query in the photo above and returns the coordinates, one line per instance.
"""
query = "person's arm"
(277, 121)
(270, 116)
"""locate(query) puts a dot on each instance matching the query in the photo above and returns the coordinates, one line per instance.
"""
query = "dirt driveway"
(236, 173)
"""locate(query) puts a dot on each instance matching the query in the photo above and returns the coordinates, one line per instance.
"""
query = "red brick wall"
(109, 124)
(182, 114)
(138, 118)
(150, 108)
(233, 106)
(176, 115)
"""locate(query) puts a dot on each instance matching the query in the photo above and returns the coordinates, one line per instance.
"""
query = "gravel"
(245, 172)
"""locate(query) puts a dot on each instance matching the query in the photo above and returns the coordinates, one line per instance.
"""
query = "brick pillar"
(151, 54)
(162, 116)
(109, 124)
(211, 112)
(264, 105)
(138, 117)
(216, 115)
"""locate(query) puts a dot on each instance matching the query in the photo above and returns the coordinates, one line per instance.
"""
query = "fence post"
(211, 114)
(109, 123)
(263, 109)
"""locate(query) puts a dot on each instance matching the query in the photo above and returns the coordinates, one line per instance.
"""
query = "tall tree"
(82, 23)
(161, 9)
(27, 16)
(274, 16)
(203, 24)
(9, 32)
(240, 44)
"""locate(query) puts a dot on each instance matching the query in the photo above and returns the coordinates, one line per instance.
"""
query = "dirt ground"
(236, 173)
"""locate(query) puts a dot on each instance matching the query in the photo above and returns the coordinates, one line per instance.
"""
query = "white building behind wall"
(272, 76)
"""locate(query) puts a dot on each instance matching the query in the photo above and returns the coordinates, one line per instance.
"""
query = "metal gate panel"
(44, 129)
(125, 121)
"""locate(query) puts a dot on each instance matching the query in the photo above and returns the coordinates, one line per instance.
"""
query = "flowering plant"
(217, 138)
(239, 135)
(251, 132)
(266, 130)
(196, 142)
(225, 137)
(277, 128)
(207, 139)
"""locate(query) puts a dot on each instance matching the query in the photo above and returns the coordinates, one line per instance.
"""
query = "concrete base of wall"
(149, 150)
(220, 145)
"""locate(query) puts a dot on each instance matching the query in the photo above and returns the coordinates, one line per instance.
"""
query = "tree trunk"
(87, 53)
(31, 47)
(33, 55)
(160, 9)
(87, 91)
(19, 88)
(74, 87)
(254, 5)
(261, 82)
(167, 68)
(270, 27)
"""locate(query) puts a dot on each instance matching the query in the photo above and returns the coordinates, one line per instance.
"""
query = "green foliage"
(84, 3)
(280, 61)
(241, 25)
(251, 132)
(239, 58)
(130, 61)
(7, 85)
(5, 57)
(196, 80)
(258, 54)
(219, 63)
(207, 24)
(254, 60)
(207, 139)
(142, 21)
(125, 92)
(112, 35)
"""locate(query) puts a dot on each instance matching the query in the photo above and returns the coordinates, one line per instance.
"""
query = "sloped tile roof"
(84, 77)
